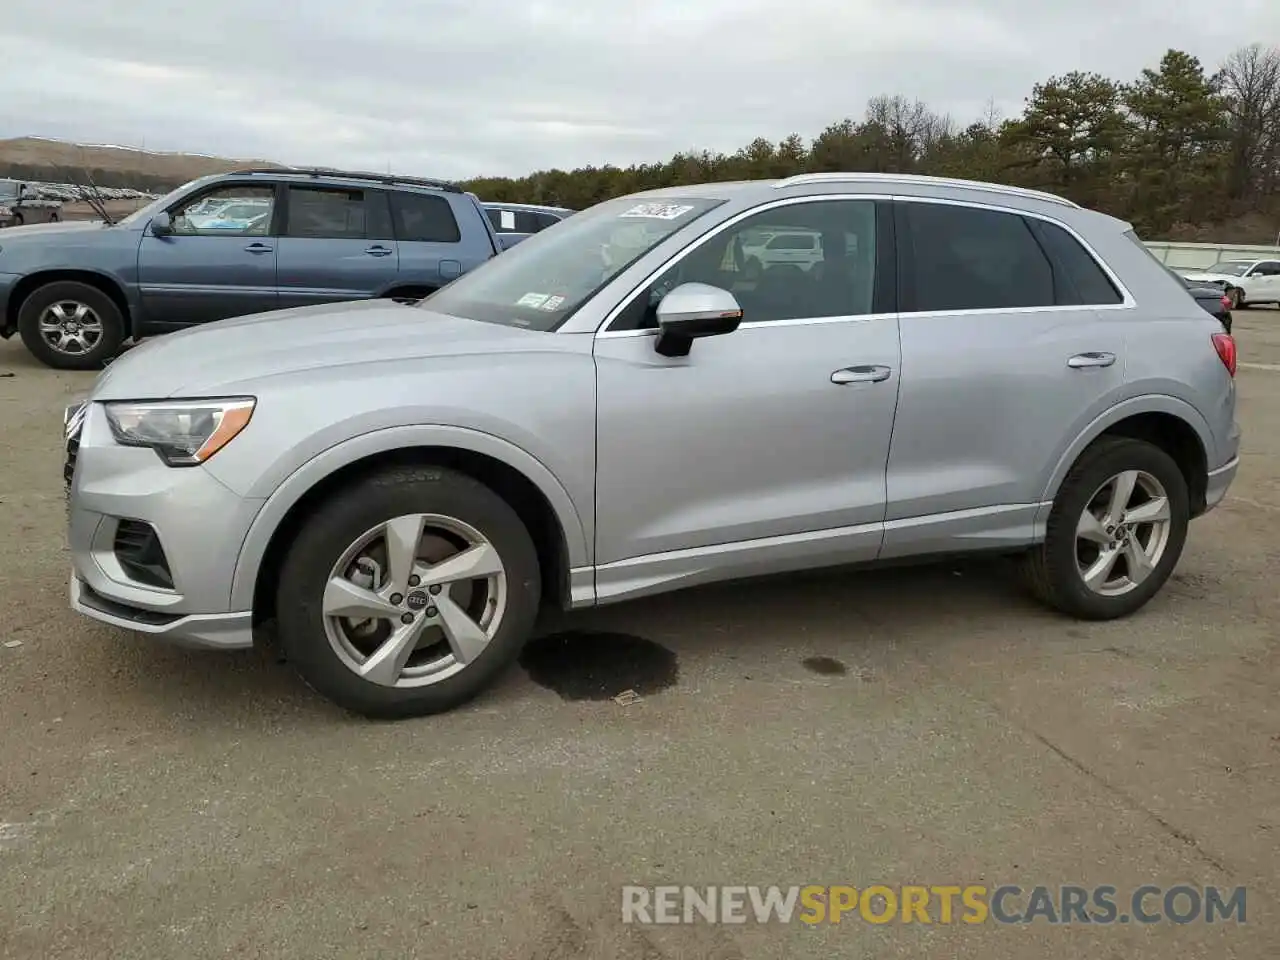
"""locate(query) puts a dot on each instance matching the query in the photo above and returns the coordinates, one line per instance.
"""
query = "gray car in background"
(617, 407)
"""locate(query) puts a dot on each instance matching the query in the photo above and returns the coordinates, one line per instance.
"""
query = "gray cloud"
(456, 88)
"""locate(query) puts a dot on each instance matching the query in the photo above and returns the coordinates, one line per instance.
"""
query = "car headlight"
(185, 433)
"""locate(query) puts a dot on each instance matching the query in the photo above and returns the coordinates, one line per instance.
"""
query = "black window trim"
(884, 295)
(906, 266)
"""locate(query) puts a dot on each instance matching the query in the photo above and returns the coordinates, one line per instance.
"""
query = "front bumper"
(195, 526)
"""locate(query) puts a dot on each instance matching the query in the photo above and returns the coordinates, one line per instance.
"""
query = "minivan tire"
(71, 291)
(1051, 569)
(339, 523)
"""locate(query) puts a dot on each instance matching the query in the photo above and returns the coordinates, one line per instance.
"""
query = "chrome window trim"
(604, 331)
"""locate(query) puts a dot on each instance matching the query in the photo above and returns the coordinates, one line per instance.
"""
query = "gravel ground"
(926, 725)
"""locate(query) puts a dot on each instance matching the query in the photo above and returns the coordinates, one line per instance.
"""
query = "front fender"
(291, 490)
(1148, 403)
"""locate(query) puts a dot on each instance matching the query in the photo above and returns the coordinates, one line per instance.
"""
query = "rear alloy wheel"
(409, 593)
(1115, 533)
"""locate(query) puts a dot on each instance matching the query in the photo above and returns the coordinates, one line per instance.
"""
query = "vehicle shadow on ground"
(825, 620)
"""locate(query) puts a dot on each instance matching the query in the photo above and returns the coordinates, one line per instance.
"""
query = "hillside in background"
(55, 161)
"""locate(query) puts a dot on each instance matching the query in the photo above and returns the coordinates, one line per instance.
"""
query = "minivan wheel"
(408, 593)
(69, 325)
(1115, 532)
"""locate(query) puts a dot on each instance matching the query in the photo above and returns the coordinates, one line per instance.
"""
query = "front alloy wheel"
(414, 600)
(408, 592)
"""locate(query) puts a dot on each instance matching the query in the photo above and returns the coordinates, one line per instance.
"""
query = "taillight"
(1226, 302)
(1225, 344)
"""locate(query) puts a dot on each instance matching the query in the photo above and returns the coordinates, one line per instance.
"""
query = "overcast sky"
(457, 88)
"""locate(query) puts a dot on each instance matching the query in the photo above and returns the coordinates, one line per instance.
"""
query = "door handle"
(863, 374)
(1081, 360)
(378, 252)
(259, 248)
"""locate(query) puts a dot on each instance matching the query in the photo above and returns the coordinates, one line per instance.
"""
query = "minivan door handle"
(1091, 360)
(259, 248)
(863, 374)
(378, 251)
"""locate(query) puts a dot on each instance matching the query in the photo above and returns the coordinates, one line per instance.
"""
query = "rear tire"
(1056, 569)
(446, 663)
(92, 326)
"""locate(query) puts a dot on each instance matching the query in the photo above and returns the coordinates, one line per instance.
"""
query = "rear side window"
(424, 218)
(336, 213)
(1081, 282)
(544, 220)
(967, 258)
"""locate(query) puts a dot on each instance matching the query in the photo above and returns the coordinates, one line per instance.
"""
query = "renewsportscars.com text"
(936, 904)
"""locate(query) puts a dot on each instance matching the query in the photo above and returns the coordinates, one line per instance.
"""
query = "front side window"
(234, 210)
(1268, 269)
(540, 282)
(966, 258)
(840, 282)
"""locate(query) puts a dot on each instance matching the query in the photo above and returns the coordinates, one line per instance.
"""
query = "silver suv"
(618, 407)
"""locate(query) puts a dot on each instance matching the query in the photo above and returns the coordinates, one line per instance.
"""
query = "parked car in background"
(233, 244)
(400, 489)
(1216, 303)
(1245, 282)
(21, 203)
(518, 221)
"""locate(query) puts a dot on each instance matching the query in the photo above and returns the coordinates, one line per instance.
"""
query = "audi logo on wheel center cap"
(416, 600)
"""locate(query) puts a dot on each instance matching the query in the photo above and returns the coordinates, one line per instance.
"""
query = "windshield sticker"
(658, 211)
(552, 303)
(532, 300)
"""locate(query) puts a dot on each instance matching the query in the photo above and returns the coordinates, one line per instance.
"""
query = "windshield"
(541, 281)
(1235, 268)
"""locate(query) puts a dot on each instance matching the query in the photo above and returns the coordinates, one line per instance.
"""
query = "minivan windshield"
(541, 281)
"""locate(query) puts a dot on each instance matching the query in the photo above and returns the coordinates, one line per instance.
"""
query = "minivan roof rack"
(804, 178)
(388, 178)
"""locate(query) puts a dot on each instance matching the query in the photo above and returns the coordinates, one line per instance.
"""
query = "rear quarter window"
(1083, 282)
(424, 218)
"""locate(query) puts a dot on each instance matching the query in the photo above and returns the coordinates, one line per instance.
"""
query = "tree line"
(1172, 151)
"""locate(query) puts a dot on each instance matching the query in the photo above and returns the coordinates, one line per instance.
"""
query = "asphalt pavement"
(926, 726)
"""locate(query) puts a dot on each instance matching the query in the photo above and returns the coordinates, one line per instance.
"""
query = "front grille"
(138, 551)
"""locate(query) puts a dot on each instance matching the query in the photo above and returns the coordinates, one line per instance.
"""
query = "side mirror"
(161, 225)
(691, 311)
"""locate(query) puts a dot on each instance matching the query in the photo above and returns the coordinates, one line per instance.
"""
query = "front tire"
(70, 325)
(1236, 296)
(408, 593)
(1115, 533)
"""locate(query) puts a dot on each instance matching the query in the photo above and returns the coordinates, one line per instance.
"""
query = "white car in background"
(1243, 282)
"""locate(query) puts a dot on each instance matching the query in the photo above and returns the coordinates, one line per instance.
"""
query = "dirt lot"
(156, 803)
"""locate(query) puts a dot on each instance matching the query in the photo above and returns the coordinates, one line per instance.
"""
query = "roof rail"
(388, 178)
(805, 178)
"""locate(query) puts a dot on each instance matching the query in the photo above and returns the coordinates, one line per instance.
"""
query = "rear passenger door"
(431, 248)
(337, 244)
(1013, 340)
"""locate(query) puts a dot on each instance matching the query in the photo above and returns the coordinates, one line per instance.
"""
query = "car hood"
(202, 360)
(1199, 277)
(36, 231)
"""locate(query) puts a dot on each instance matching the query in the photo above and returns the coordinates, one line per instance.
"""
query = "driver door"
(210, 267)
(764, 449)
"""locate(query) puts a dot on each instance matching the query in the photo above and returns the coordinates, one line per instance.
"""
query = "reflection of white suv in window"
(800, 247)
